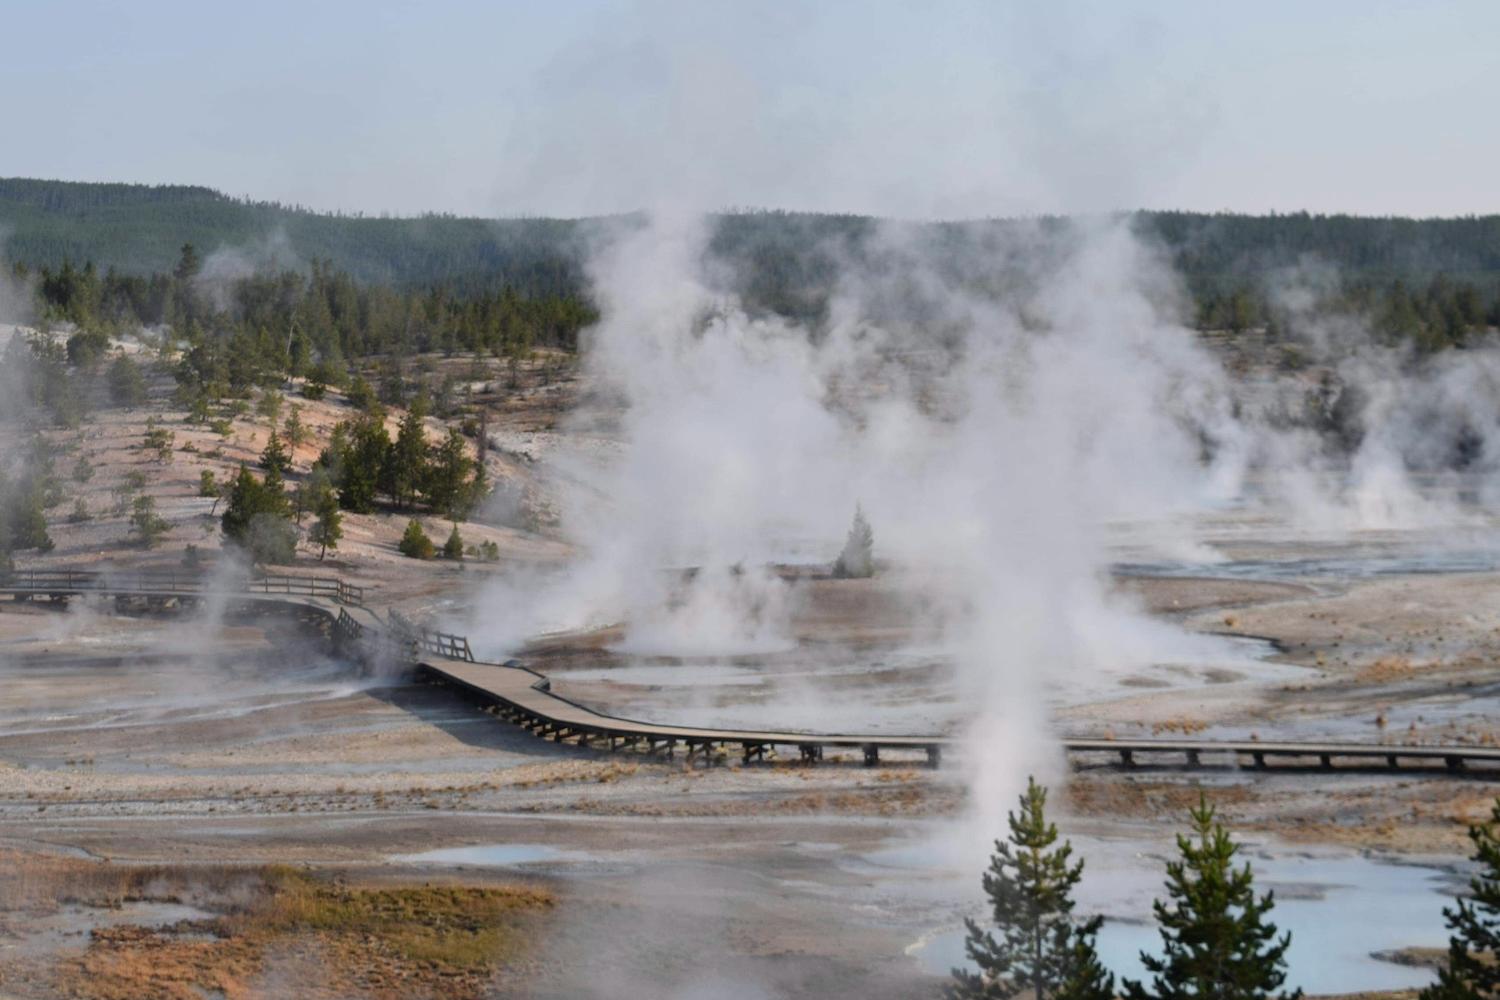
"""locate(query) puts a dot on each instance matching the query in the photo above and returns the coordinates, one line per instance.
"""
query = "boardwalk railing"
(315, 586)
(525, 698)
(426, 640)
(169, 582)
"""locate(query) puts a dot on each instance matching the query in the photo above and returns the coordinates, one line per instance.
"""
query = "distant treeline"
(386, 284)
(285, 321)
(138, 229)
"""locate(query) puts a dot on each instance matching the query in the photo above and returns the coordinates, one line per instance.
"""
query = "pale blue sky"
(904, 108)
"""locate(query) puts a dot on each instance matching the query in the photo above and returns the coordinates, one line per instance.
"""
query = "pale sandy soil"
(126, 738)
(112, 440)
(118, 743)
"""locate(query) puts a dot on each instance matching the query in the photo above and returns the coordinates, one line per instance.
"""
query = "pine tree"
(1473, 969)
(23, 517)
(329, 527)
(188, 264)
(453, 548)
(309, 496)
(406, 464)
(295, 430)
(448, 477)
(256, 518)
(1216, 939)
(1043, 951)
(274, 458)
(359, 465)
(857, 560)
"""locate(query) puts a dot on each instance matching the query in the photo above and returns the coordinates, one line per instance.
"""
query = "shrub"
(271, 538)
(414, 542)
(453, 548)
(159, 440)
(85, 348)
(83, 471)
(144, 523)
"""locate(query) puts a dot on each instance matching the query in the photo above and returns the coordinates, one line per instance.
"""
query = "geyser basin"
(901, 689)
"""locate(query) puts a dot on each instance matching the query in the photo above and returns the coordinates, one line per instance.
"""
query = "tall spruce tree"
(1473, 970)
(359, 465)
(274, 459)
(448, 477)
(1215, 936)
(1042, 950)
(406, 462)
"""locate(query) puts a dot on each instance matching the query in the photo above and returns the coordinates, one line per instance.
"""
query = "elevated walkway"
(525, 698)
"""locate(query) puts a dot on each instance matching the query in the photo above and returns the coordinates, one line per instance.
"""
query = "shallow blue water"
(498, 855)
(1339, 910)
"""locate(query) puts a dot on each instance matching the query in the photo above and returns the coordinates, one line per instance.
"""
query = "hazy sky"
(904, 108)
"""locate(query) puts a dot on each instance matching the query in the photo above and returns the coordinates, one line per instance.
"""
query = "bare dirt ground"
(119, 742)
(111, 443)
(195, 749)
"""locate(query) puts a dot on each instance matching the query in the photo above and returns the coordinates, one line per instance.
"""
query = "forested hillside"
(139, 229)
(1432, 281)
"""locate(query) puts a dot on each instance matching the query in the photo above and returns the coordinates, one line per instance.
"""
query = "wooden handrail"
(177, 582)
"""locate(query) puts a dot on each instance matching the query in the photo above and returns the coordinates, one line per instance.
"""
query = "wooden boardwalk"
(525, 697)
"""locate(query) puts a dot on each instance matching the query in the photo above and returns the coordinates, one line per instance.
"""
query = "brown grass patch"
(275, 932)
(455, 928)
